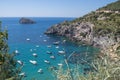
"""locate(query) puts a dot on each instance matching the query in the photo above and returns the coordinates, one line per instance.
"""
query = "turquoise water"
(18, 33)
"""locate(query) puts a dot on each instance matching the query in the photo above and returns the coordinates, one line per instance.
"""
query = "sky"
(49, 8)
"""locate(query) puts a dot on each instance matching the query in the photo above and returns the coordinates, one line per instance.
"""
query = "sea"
(29, 39)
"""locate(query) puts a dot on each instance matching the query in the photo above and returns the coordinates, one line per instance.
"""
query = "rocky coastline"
(82, 32)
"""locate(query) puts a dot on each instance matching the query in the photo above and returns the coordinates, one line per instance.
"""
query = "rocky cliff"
(75, 32)
(81, 32)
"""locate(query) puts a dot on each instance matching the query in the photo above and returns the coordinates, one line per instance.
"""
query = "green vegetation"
(8, 69)
(103, 68)
(114, 6)
(105, 23)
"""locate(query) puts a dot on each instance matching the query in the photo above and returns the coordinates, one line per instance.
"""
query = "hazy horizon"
(47, 8)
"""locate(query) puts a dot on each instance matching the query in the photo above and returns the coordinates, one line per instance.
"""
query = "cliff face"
(100, 28)
(81, 32)
(75, 32)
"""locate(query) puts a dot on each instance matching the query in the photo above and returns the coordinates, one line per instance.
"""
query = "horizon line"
(34, 17)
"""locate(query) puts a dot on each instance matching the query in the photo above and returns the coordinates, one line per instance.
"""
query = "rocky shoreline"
(82, 32)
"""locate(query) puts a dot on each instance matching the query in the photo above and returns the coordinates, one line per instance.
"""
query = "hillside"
(113, 6)
(100, 28)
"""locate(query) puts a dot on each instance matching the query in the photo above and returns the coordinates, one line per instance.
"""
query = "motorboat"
(33, 62)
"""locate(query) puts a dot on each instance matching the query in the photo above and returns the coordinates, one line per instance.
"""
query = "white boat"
(33, 62)
(57, 47)
(16, 51)
(20, 62)
(37, 45)
(48, 52)
(49, 46)
(31, 50)
(22, 74)
(40, 71)
(28, 39)
(34, 54)
(45, 40)
(46, 61)
(52, 57)
(64, 41)
(56, 43)
(61, 52)
(60, 64)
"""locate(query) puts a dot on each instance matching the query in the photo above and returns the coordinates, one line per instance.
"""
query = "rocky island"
(99, 28)
(26, 21)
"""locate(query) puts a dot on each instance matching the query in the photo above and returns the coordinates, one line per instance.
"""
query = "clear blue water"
(18, 33)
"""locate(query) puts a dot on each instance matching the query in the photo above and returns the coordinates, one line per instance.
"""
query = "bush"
(103, 68)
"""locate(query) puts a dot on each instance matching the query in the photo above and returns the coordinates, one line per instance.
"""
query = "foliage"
(8, 70)
(113, 6)
(103, 68)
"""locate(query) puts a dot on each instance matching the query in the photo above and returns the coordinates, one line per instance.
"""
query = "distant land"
(26, 21)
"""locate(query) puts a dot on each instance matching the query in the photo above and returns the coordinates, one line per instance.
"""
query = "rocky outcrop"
(26, 21)
(75, 32)
(81, 32)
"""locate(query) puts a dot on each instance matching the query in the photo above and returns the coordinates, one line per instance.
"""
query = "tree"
(8, 68)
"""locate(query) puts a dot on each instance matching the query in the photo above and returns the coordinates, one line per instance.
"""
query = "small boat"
(40, 71)
(60, 64)
(22, 74)
(46, 61)
(37, 45)
(57, 47)
(28, 39)
(20, 62)
(49, 46)
(33, 62)
(48, 52)
(16, 51)
(52, 57)
(34, 54)
(64, 41)
(45, 40)
(61, 52)
(56, 43)
(31, 50)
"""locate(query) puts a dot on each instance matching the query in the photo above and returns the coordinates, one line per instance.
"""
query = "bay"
(39, 43)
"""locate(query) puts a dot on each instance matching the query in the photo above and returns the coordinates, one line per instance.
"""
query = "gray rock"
(75, 32)
(26, 21)
(81, 32)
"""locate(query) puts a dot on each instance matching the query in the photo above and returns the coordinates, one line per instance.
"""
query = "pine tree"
(8, 68)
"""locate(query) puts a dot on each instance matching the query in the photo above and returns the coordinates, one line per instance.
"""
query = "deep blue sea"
(38, 43)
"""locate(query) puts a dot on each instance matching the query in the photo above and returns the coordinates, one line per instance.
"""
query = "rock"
(82, 32)
(75, 32)
(26, 21)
